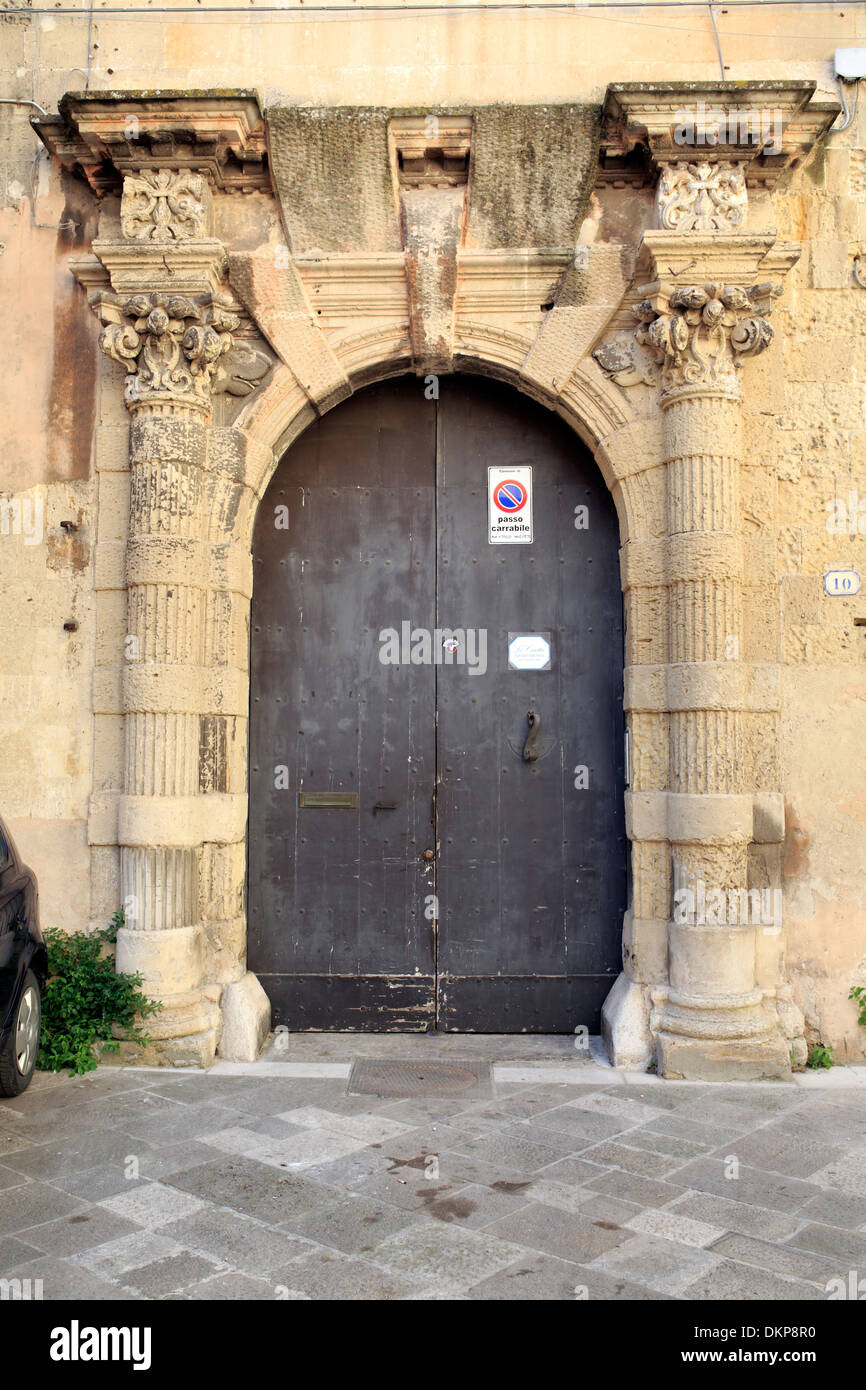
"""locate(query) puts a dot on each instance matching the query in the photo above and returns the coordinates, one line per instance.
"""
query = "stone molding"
(108, 134)
(767, 127)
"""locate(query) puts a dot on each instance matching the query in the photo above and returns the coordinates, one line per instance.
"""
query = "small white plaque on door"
(529, 651)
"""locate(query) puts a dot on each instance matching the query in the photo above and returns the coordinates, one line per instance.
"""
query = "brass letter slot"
(347, 800)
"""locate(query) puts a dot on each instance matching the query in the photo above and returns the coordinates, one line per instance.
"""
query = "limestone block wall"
(796, 734)
(809, 484)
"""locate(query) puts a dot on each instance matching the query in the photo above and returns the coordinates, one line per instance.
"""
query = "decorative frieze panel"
(164, 205)
(702, 197)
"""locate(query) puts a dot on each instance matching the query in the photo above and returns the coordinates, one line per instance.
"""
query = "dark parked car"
(23, 969)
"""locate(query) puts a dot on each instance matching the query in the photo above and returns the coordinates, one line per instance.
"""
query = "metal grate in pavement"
(373, 1076)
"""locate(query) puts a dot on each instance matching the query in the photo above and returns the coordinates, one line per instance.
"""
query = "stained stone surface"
(290, 1188)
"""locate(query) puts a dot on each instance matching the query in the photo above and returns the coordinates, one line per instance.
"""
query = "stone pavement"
(263, 1182)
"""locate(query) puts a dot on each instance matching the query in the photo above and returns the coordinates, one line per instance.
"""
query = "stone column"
(714, 1020)
(169, 333)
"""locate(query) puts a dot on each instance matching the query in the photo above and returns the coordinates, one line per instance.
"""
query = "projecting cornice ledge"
(105, 135)
(767, 128)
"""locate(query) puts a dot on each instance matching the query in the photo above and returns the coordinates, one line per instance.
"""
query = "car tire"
(18, 1058)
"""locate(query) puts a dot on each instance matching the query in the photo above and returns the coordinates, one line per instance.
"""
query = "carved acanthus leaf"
(168, 359)
(702, 197)
(696, 337)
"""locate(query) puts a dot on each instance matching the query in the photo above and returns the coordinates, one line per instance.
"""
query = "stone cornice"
(196, 266)
(768, 127)
(105, 135)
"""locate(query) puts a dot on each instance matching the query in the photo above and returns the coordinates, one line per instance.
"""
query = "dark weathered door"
(414, 862)
(337, 932)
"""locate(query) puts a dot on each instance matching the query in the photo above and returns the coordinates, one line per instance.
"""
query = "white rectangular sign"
(509, 505)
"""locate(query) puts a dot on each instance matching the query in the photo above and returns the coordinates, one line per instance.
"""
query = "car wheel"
(18, 1058)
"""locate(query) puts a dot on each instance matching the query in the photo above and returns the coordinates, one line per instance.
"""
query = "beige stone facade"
(252, 216)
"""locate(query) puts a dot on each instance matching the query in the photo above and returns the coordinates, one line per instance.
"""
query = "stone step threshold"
(515, 1060)
(541, 1074)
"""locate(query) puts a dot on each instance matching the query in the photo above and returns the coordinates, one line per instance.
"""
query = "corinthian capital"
(692, 340)
(169, 344)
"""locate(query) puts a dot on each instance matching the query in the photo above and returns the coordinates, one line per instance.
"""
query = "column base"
(723, 1059)
(194, 1050)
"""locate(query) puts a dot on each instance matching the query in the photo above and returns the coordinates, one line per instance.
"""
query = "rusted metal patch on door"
(377, 1077)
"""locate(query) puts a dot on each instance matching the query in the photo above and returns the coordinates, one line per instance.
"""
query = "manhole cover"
(372, 1077)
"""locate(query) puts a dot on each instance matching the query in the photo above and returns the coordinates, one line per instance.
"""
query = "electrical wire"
(23, 101)
(849, 115)
(718, 40)
(437, 9)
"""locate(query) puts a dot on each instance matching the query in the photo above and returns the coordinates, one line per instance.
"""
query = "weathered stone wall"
(65, 450)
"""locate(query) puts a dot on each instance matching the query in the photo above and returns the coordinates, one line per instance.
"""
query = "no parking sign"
(509, 505)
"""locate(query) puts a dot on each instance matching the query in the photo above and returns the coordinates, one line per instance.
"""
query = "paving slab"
(449, 1259)
(779, 1259)
(570, 1182)
(63, 1280)
(552, 1231)
(227, 1237)
(735, 1216)
(662, 1265)
(326, 1274)
(750, 1185)
(355, 1226)
(847, 1247)
(33, 1205)
(253, 1189)
(731, 1281)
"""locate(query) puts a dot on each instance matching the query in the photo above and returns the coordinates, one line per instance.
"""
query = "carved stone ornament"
(695, 338)
(163, 205)
(240, 371)
(702, 197)
(169, 344)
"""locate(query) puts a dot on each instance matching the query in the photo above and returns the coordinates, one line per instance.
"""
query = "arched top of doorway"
(624, 443)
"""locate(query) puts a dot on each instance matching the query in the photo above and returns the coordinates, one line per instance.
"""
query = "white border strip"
(287, 1070)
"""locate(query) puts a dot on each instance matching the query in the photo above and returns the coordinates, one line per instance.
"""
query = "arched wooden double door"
(423, 853)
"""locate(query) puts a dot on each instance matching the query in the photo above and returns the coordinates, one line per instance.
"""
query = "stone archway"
(660, 407)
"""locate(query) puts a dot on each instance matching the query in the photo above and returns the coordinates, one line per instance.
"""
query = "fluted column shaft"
(713, 1018)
